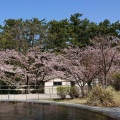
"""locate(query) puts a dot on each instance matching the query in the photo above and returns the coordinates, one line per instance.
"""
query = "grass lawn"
(75, 101)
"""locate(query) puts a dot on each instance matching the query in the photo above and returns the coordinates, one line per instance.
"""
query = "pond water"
(45, 111)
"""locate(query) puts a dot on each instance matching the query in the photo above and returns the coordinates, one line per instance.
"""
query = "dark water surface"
(44, 111)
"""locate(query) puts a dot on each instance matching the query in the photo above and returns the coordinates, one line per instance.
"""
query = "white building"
(50, 86)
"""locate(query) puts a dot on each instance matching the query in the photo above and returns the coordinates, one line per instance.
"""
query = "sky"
(94, 10)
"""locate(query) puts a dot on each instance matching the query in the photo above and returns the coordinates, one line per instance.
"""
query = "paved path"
(28, 96)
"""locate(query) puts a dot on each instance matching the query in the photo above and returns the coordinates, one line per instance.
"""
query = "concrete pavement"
(28, 96)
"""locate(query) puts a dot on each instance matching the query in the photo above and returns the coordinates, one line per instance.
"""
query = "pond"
(46, 111)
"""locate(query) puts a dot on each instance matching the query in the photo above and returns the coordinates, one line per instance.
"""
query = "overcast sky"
(94, 10)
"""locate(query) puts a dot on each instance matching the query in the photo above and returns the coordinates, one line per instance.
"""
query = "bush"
(116, 81)
(102, 97)
(62, 92)
(73, 92)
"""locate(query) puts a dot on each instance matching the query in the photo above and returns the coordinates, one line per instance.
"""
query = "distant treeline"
(54, 35)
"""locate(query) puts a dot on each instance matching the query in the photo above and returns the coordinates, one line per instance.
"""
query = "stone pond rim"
(113, 112)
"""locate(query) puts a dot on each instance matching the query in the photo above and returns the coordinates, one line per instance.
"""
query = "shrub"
(73, 92)
(62, 92)
(102, 97)
(116, 81)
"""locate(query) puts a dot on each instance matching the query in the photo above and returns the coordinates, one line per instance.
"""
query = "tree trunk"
(105, 81)
(89, 86)
(27, 88)
(82, 91)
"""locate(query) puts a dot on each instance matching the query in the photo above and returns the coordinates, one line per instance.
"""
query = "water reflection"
(35, 111)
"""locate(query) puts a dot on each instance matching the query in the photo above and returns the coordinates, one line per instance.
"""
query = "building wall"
(51, 88)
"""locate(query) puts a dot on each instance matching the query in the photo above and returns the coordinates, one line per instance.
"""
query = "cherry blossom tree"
(37, 63)
(77, 64)
(28, 69)
(87, 64)
(107, 47)
(82, 65)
